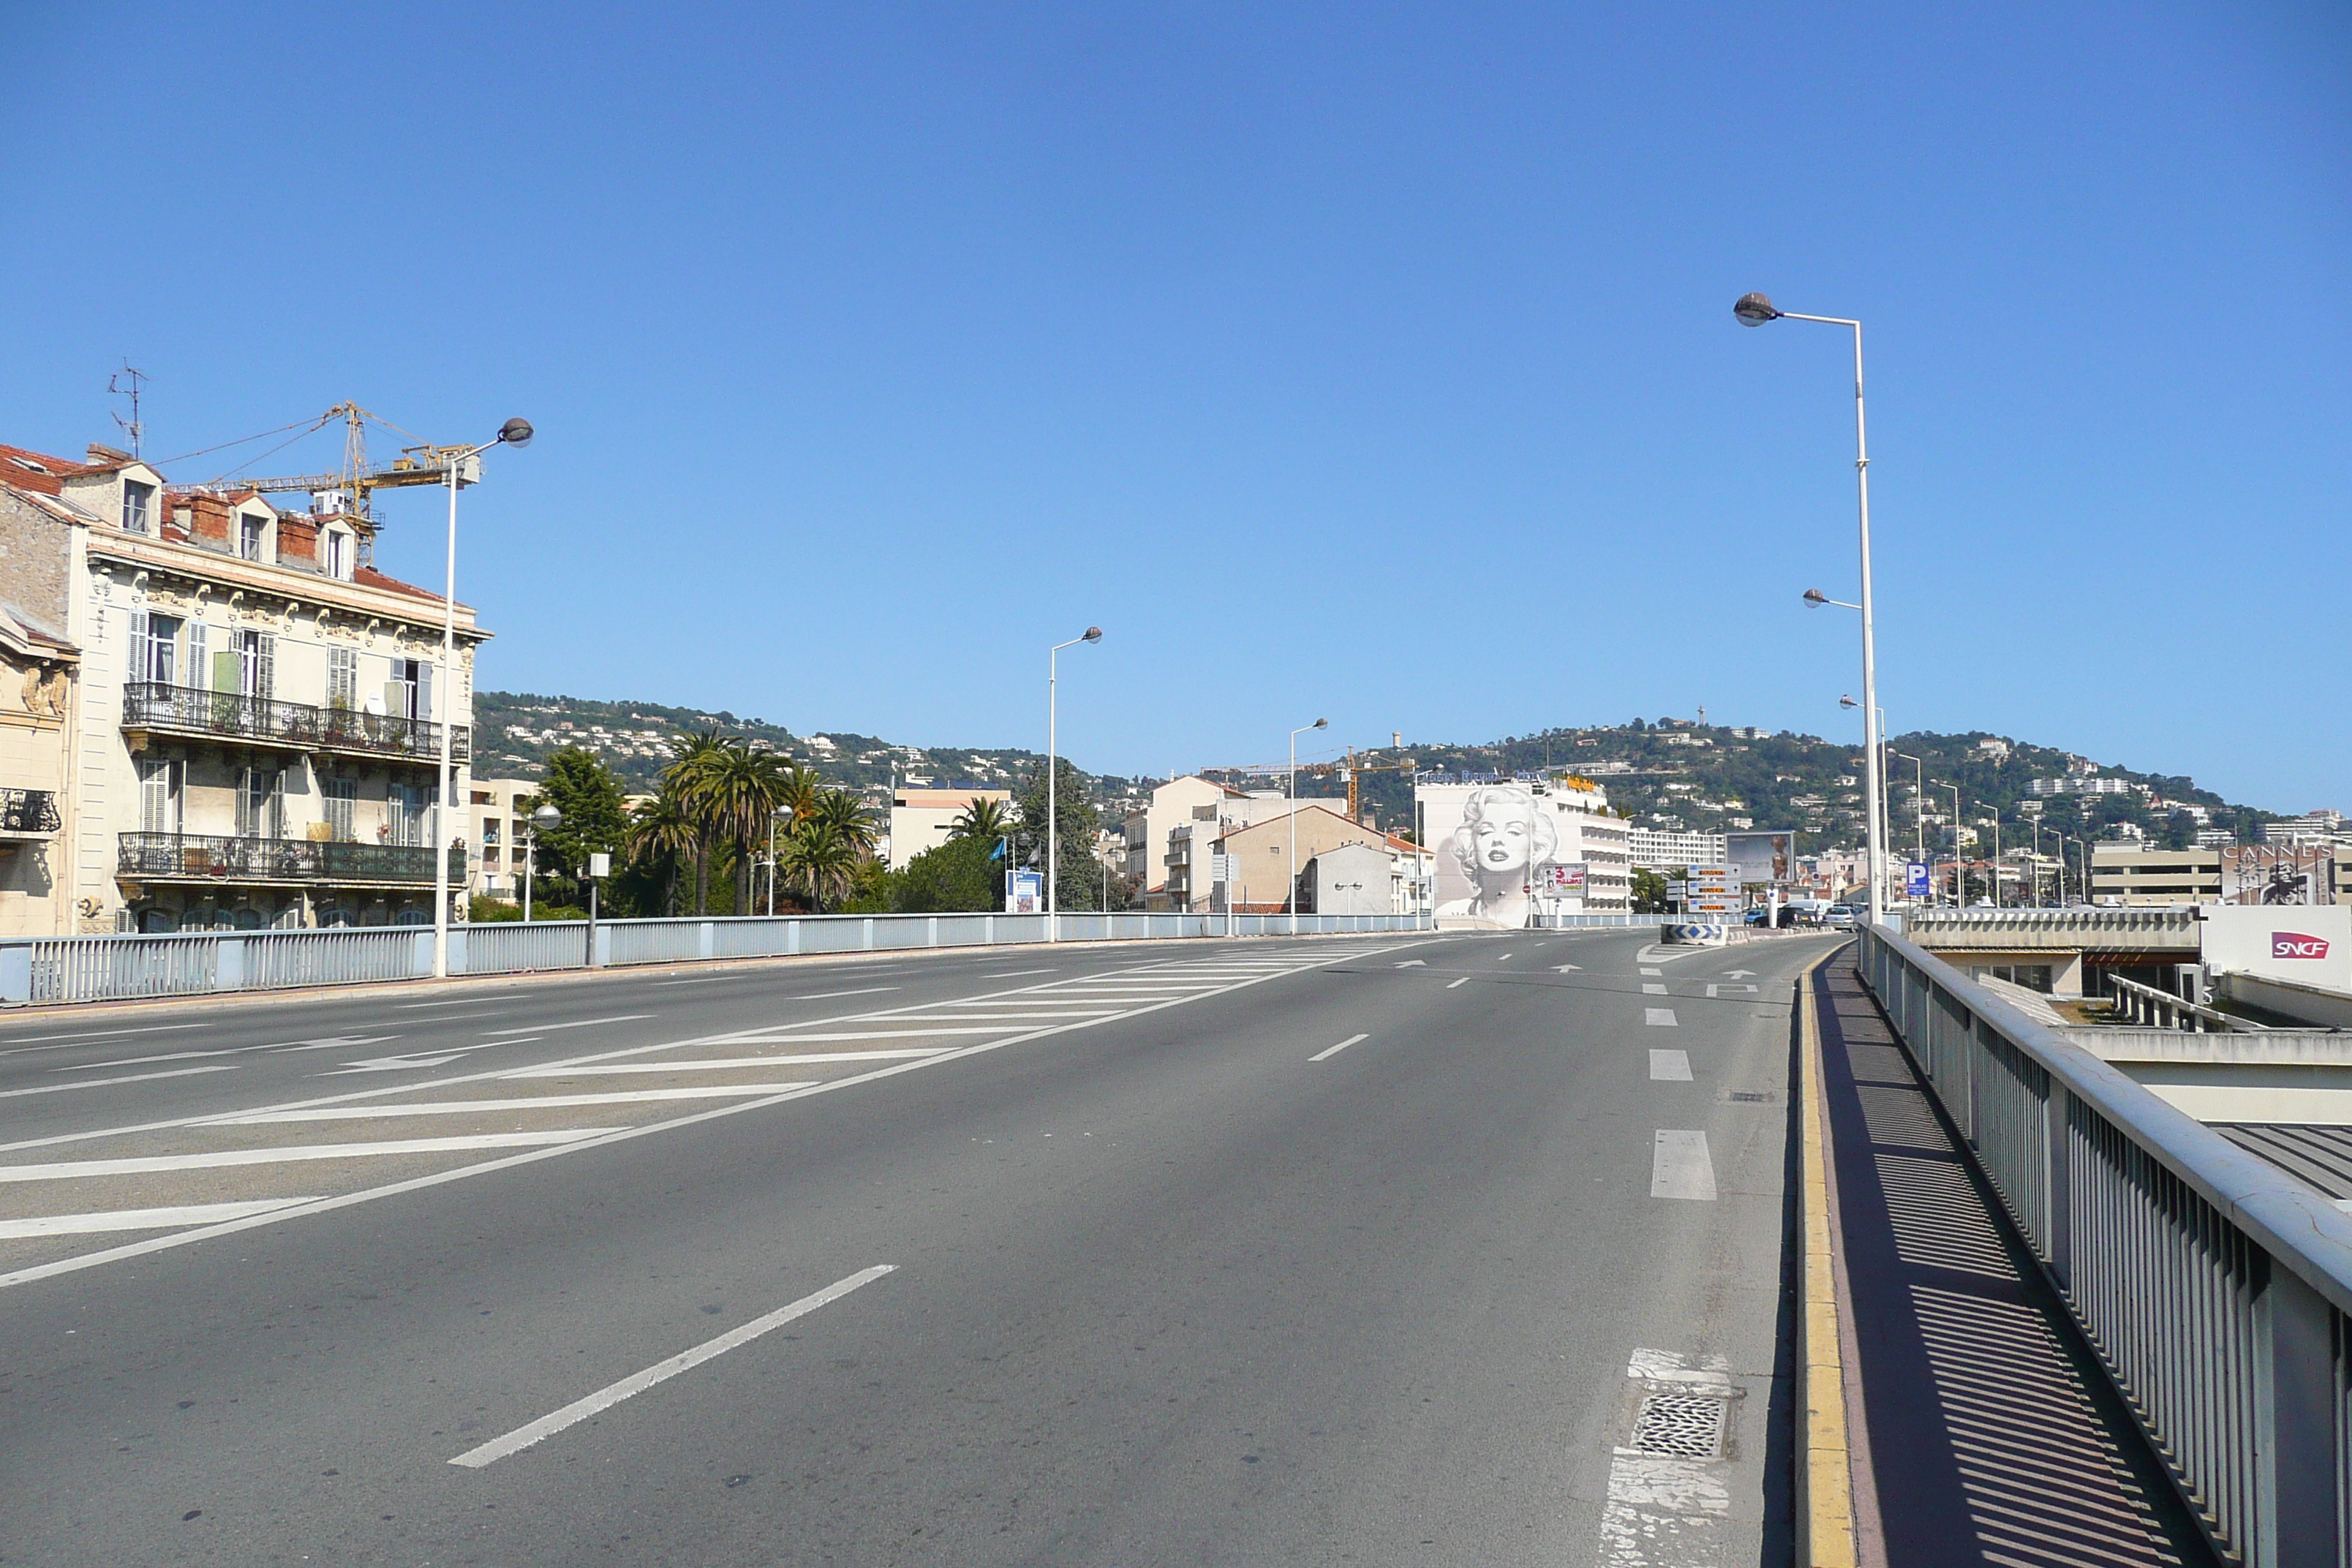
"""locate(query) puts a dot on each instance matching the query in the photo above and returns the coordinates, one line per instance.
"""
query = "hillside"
(1671, 773)
(517, 730)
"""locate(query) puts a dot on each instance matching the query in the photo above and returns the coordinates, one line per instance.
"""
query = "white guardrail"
(110, 968)
(2216, 1288)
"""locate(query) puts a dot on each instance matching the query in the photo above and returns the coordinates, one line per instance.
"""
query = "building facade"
(1660, 850)
(921, 820)
(253, 740)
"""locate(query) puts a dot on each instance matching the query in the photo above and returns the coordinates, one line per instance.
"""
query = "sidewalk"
(1982, 1435)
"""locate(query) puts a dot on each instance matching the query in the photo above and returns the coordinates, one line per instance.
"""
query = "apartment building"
(253, 734)
(1660, 850)
(1259, 857)
(40, 669)
(496, 830)
(1178, 801)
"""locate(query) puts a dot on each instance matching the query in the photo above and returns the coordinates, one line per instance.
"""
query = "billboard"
(2278, 874)
(1027, 894)
(1762, 857)
(1507, 851)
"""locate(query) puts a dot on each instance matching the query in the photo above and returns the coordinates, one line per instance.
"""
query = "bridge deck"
(1985, 1436)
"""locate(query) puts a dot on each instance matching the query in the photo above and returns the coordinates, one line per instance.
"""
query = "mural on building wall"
(1504, 852)
(2278, 874)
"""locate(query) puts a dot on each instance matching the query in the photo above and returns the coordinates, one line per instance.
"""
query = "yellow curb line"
(1824, 1469)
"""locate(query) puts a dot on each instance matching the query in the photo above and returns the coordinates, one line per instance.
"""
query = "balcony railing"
(28, 813)
(210, 857)
(187, 709)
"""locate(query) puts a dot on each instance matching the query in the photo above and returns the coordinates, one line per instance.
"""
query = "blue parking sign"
(1914, 879)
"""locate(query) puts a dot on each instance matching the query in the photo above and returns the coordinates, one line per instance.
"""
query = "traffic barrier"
(116, 968)
(2215, 1288)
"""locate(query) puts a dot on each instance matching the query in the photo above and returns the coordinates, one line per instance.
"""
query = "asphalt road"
(1370, 1249)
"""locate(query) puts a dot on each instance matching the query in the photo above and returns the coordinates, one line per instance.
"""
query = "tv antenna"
(114, 389)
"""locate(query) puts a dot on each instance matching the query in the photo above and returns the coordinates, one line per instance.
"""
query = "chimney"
(104, 454)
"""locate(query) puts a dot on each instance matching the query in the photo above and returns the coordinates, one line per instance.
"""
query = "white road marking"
(398, 1064)
(75, 1038)
(723, 1064)
(145, 1061)
(1504, 958)
(1663, 1018)
(1680, 1166)
(1653, 971)
(127, 1078)
(1652, 988)
(774, 1037)
(1335, 1050)
(1670, 1067)
(828, 996)
(498, 1107)
(447, 1002)
(1717, 989)
(1566, 968)
(1414, 963)
(605, 1398)
(334, 1042)
(1739, 974)
(150, 1164)
(1464, 981)
(575, 1023)
(1658, 954)
(1009, 973)
(140, 1220)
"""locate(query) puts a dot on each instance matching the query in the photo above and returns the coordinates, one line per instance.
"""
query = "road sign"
(1914, 879)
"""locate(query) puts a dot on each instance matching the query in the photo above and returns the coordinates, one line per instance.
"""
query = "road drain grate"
(1748, 1097)
(1685, 1426)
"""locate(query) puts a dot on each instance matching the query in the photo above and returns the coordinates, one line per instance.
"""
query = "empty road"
(1396, 1250)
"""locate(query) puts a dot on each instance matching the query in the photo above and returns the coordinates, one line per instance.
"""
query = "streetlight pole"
(1053, 803)
(462, 465)
(1959, 877)
(1754, 310)
(545, 818)
(1292, 900)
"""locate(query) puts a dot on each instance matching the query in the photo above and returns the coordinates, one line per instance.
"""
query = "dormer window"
(138, 507)
(252, 537)
(335, 553)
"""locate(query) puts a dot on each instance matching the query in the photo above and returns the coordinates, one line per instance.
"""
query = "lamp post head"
(547, 815)
(1846, 701)
(1094, 634)
(1754, 310)
(1322, 723)
(516, 432)
(1816, 598)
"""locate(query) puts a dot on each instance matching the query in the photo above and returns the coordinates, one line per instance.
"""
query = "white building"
(497, 827)
(921, 820)
(1659, 849)
(254, 734)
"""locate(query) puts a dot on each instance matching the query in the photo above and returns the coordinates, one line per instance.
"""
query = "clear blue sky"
(1374, 362)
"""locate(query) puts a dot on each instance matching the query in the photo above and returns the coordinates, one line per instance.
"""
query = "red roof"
(38, 471)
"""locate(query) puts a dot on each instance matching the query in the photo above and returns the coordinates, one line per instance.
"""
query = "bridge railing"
(110, 968)
(2216, 1288)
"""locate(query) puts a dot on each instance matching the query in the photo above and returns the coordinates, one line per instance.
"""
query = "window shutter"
(424, 690)
(200, 661)
(245, 785)
(265, 684)
(140, 664)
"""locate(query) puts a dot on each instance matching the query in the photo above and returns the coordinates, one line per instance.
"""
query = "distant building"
(1363, 880)
(1660, 850)
(921, 820)
(2081, 783)
(1259, 857)
(496, 826)
(1997, 750)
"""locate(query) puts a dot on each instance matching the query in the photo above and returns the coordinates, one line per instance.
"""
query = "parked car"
(1843, 917)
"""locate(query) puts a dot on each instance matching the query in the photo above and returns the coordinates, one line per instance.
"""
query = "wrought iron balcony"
(295, 726)
(211, 858)
(28, 813)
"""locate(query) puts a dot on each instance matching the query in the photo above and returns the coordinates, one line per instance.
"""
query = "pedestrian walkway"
(1981, 1433)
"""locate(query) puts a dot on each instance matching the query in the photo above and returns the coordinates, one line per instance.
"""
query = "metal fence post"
(706, 940)
(869, 933)
(2058, 1180)
(2297, 1507)
(931, 932)
(16, 972)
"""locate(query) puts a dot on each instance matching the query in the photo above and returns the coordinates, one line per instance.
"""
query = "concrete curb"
(1824, 1468)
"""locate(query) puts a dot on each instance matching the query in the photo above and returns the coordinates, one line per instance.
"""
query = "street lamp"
(1754, 310)
(1960, 878)
(464, 467)
(1053, 808)
(782, 813)
(1292, 900)
(546, 820)
(1919, 805)
(1846, 701)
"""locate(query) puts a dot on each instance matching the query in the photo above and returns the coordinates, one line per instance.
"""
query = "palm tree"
(735, 791)
(986, 820)
(664, 828)
(818, 856)
(848, 815)
(680, 777)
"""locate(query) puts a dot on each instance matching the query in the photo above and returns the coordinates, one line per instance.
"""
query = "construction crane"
(1354, 769)
(424, 464)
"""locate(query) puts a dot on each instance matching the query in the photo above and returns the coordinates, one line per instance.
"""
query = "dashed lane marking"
(127, 1078)
(1659, 1018)
(1335, 1050)
(1670, 1067)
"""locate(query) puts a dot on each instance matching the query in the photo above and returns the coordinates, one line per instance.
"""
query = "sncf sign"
(2294, 944)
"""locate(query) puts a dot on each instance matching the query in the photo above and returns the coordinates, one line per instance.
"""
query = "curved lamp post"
(1754, 310)
(1293, 899)
(1053, 811)
(463, 466)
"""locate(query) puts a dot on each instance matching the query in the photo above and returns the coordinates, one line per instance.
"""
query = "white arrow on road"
(1564, 968)
(1739, 974)
(1414, 963)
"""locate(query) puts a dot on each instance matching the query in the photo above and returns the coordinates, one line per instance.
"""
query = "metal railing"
(2082, 928)
(25, 811)
(106, 968)
(214, 857)
(226, 715)
(2216, 1288)
(2137, 1003)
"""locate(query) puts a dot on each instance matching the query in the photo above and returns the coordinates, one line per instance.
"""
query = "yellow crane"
(1354, 769)
(423, 464)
